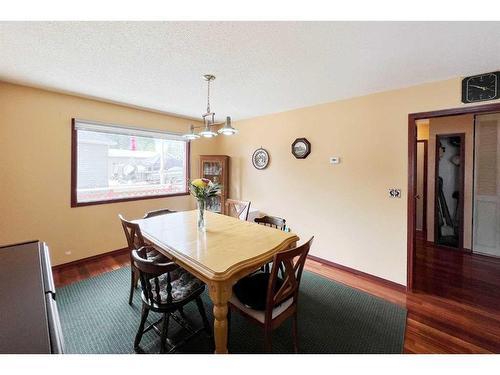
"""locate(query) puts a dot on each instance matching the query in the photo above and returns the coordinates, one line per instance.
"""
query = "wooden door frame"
(425, 142)
(412, 171)
(461, 182)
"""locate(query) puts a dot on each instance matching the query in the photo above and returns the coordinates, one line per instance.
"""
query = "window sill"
(121, 200)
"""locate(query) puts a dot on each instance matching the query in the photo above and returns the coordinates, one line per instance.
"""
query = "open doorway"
(444, 181)
(448, 237)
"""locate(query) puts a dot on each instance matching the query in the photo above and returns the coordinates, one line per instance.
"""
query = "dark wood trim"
(436, 175)
(482, 109)
(424, 198)
(411, 203)
(461, 206)
(93, 257)
(188, 165)
(74, 174)
(461, 183)
(412, 169)
(74, 158)
(373, 278)
(308, 148)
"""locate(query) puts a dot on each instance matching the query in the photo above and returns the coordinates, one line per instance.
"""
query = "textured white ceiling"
(261, 67)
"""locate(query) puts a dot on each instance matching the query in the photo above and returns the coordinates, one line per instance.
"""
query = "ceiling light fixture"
(207, 132)
(209, 120)
(227, 129)
(191, 135)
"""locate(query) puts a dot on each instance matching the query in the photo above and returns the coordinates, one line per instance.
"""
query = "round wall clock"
(260, 158)
(301, 148)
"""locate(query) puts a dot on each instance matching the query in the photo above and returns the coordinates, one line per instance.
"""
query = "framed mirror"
(301, 148)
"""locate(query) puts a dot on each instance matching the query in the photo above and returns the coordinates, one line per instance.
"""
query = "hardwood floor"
(67, 274)
(462, 277)
(454, 309)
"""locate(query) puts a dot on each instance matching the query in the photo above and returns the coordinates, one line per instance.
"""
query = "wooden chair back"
(133, 233)
(149, 271)
(272, 221)
(163, 211)
(237, 209)
(291, 264)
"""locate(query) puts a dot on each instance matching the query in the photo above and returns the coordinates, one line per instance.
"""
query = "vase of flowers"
(202, 189)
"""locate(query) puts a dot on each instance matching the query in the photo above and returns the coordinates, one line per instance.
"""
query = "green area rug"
(333, 318)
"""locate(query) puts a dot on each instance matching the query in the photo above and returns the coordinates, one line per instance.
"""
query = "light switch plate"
(394, 193)
(334, 160)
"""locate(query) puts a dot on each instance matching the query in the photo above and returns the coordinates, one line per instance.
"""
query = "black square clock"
(481, 87)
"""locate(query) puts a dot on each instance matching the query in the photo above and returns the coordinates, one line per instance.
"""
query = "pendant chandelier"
(209, 120)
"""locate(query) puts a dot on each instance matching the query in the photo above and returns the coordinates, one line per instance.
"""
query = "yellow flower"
(199, 183)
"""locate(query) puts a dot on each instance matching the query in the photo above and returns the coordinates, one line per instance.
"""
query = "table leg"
(220, 292)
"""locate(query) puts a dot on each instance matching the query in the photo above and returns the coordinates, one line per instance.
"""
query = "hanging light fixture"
(191, 135)
(207, 132)
(227, 129)
(209, 120)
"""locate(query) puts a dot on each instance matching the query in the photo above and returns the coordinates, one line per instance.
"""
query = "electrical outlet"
(394, 193)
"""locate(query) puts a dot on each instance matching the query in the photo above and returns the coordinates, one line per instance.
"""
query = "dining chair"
(163, 211)
(267, 298)
(166, 289)
(237, 209)
(135, 241)
(272, 221)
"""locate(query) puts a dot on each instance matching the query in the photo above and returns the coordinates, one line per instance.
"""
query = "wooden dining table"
(228, 250)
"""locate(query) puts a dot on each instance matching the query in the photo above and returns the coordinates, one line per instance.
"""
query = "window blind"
(126, 130)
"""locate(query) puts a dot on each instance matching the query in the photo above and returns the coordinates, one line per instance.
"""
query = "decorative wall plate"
(301, 148)
(260, 158)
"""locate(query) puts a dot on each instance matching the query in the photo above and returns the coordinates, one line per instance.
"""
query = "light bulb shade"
(191, 135)
(227, 129)
(207, 133)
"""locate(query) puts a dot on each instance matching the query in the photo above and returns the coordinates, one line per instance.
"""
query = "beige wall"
(450, 125)
(35, 172)
(422, 129)
(346, 206)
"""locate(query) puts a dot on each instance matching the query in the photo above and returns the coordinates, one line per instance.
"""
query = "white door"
(487, 185)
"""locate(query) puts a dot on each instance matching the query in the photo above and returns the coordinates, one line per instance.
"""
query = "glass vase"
(201, 215)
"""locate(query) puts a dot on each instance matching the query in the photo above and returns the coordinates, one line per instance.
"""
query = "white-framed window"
(113, 163)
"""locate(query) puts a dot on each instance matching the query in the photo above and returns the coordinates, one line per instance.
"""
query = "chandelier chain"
(208, 96)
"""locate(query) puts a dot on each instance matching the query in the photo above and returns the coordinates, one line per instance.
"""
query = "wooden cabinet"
(216, 169)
